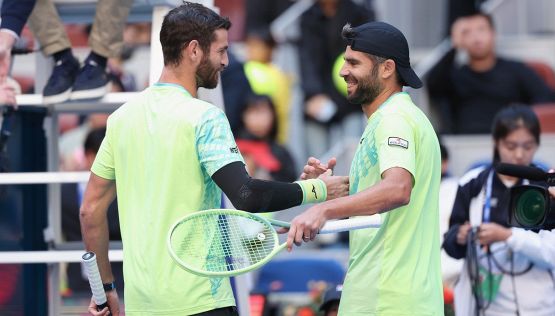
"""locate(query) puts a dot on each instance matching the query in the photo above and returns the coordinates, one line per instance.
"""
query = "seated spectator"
(450, 267)
(236, 90)
(511, 272)
(265, 78)
(68, 79)
(330, 302)
(329, 116)
(468, 94)
(14, 15)
(264, 157)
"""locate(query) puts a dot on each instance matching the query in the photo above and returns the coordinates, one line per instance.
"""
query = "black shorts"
(224, 311)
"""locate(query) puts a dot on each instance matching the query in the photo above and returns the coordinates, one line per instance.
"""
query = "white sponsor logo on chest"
(397, 141)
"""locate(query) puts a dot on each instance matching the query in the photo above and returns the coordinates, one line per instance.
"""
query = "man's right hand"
(337, 186)
(314, 168)
(463, 233)
(113, 305)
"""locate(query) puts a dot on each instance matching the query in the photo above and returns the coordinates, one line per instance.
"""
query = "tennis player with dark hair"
(396, 171)
(168, 154)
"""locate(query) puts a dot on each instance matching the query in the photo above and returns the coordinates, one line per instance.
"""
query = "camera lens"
(530, 208)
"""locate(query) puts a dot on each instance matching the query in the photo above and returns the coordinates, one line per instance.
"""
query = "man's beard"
(207, 75)
(367, 89)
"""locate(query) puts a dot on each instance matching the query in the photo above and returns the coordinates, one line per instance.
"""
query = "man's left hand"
(305, 226)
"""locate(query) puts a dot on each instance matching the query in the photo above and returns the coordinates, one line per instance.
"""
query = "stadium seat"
(546, 115)
(296, 275)
(544, 71)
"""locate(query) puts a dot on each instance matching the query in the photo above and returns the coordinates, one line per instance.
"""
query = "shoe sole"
(57, 98)
(95, 93)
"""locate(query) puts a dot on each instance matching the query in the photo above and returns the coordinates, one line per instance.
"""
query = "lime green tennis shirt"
(395, 269)
(161, 149)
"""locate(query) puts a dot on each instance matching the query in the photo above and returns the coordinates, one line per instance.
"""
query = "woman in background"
(511, 269)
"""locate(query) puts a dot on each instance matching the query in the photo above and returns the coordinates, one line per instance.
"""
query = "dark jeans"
(224, 311)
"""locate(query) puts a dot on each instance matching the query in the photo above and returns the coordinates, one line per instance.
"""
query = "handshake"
(337, 186)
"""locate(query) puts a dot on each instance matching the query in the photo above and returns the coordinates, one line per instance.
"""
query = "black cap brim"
(410, 78)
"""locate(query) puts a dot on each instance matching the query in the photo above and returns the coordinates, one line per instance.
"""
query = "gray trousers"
(106, 38)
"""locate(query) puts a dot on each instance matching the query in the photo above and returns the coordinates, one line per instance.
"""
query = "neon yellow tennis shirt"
(395, 269)
(161, 149)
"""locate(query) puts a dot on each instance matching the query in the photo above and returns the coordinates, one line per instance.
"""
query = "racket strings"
(221, 242)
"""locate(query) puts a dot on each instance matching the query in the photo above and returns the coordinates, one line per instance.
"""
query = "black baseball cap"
(384, 40)
(332, 294)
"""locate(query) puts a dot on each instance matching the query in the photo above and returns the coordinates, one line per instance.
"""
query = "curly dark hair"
(190, 21)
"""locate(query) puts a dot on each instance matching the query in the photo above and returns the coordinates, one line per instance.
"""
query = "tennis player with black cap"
(396, 170)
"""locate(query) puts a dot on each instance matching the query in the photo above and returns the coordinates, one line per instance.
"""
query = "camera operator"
(508, 271)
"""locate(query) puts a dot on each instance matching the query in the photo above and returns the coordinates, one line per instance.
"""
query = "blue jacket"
(15, 14)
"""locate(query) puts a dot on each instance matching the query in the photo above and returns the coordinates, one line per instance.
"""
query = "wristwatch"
(109, 286)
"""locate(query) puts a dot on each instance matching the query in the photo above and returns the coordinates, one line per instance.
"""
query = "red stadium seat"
(544, 71)
(546, 115)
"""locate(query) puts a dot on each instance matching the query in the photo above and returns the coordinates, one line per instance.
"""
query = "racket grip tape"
(97, 288)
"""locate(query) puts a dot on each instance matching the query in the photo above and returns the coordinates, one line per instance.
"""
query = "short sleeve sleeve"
(396, 145)
(215, 143)
(103, 165)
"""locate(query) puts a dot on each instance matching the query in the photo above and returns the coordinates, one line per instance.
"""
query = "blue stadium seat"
(295, 275)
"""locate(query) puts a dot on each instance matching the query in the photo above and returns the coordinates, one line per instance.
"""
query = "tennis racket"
(220, 242)
(99, 296)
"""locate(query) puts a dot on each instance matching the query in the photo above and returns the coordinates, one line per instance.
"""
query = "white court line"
(44, 177)
(52, 256)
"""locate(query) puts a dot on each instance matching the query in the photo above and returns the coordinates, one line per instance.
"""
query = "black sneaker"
(91, 82)
(58, 87)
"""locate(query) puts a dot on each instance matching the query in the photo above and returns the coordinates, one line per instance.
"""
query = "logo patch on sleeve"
(234, 150)
(398, 141)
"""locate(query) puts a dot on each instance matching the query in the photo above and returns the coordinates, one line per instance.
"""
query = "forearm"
(96, 238)
(380, 198)
(94, 221)
(253, 195)
(539, 248)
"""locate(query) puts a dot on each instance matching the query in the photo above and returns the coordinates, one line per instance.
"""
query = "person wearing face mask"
(472, 83)
(509, 269)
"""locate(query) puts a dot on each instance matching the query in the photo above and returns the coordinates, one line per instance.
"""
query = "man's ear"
(388, 68)
(193, 51)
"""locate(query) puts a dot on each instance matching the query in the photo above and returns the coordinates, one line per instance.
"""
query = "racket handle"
(351, 224)
(99, 296)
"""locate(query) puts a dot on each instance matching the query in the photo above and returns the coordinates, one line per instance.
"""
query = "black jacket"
(470, 186)
(467, 100)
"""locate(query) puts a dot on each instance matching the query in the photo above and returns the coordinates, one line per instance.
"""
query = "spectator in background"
(319, 47)
(450, 267)
(14, 15)
(72, 196)
(330, 302)
(236, 90)
(264, 157)
(470, 93)
(267, 79)
(68, 80)
(516, 266)
(71, 140)
(261, 13)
